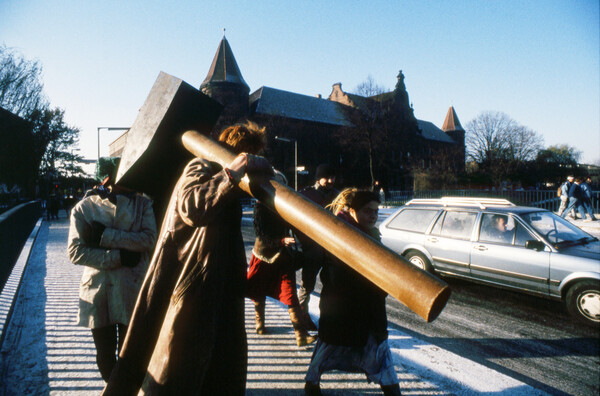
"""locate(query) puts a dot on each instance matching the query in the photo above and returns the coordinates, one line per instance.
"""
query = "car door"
(504, 259)
(449, 241)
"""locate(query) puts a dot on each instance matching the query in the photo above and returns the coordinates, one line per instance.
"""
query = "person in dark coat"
(586, 192)
(272, 271)
(353, 322)
(321, 193)
(187, 334)
(575, 200)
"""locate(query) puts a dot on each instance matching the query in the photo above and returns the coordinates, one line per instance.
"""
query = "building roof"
(276, 102)
(451, 123)
(431, 132)
(224, 68)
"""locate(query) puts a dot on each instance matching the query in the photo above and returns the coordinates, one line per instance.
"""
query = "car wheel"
(418, 259)
(583, 302)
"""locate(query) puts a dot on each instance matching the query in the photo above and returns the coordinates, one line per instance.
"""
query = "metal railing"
(545, 199)
(15, 226)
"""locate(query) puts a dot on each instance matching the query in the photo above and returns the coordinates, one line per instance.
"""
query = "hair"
(246, 137)
(496, 218)
(352, 198)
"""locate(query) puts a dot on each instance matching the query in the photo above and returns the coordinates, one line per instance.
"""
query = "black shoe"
(311, 389)
(391, 390)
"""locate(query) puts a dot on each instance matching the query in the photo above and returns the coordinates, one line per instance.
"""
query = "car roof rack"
(482, 203)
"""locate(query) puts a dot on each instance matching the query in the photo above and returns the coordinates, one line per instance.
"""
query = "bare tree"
(21, 93)
(369, 88)
(21, 88)
(499, 145)
(371, 114)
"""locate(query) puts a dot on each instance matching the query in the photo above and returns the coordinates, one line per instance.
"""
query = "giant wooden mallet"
(153, 160)
(423, 293)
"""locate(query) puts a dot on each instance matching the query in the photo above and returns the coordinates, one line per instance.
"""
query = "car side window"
(455, 225)
(416, 220)
(437, 228)
(522, 235)
(497, 228)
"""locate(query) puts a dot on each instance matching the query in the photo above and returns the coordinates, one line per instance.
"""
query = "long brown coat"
(196, 284)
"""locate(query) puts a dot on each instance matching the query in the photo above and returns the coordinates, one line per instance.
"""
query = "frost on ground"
(46, 352)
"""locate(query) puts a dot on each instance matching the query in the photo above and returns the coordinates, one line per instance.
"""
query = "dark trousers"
(108, 341)
(313, 260)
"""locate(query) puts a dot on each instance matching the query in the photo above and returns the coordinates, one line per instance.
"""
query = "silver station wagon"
(492, 241)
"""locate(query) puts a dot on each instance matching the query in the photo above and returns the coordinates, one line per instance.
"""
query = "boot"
(391, 390)
(311, 389)
(302, 336)
(259, 310)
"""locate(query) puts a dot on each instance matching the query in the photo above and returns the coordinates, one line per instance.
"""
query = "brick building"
(346, 130)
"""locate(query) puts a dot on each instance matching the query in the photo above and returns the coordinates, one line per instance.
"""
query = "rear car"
(495, 242)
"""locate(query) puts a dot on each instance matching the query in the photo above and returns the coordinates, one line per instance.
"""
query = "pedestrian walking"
(321, 193)
(272, 269)
(575, 200)
(353, 322)
(586, 190)
(187, 334)
(564, 195)
(112, 233)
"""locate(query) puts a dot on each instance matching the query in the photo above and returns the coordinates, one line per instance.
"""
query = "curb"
(13, 283)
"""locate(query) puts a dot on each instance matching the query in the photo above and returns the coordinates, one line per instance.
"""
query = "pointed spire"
(224, 68)
(451, 123)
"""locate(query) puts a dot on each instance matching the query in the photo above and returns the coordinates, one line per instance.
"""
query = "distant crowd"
(576, 196)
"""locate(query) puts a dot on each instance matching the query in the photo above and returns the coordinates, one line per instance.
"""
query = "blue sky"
(537, 61)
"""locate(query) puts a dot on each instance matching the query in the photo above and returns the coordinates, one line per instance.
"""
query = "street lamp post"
(295, 158)
(109, 129)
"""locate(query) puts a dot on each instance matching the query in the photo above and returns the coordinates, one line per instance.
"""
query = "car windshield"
(556, 230)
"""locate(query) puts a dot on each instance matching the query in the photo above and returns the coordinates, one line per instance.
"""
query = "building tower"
(225, 84)
(453, 128)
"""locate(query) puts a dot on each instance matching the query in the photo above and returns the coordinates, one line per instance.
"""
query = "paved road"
(45, 352)
(526, 337)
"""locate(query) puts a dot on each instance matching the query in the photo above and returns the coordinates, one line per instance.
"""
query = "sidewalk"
(45, 352)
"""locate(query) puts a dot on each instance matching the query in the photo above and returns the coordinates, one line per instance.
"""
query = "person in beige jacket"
(112, 233)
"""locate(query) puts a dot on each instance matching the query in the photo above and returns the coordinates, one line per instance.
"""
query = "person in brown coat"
(187, 335)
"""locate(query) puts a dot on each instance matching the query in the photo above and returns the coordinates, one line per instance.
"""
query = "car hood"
(589, 250)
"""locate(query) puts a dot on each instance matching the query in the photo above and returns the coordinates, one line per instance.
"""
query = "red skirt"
(276, 280)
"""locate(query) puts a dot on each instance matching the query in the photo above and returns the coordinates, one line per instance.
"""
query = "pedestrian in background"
(188, 335)
(112, 233)
(564, 195)
(575, 200)
(586, 190)
(353, 333)
(322, 193)
(272, 270)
